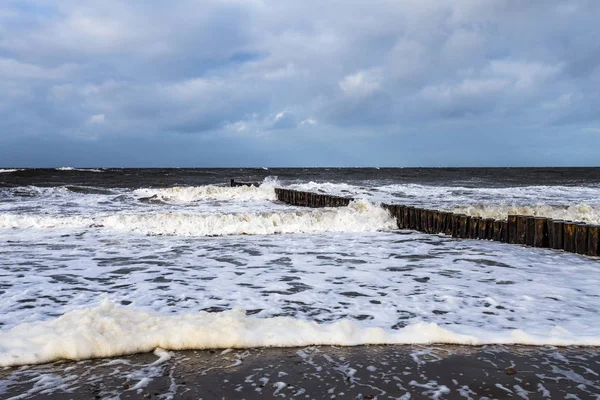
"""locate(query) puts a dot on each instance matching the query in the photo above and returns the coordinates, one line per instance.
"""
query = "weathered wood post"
(412, 215)
(497, 230)
(463, 226)
(541, 232)
(455, 225)
(593, 240)
(419, 221)
(521, 229)
(474, 227)
(491, 228)
(422, 222)
(513, 231)
(406, 217)
(581, 239)
(550, 232)
(482, 230)
(558, 234)
(530, 234)
(449, 223)
(431, 218)
(569, 236)
(400, 216)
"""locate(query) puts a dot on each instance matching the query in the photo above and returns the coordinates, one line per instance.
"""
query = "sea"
(103, 262)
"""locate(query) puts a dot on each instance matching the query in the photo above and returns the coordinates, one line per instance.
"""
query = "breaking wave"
(580, 212)
(359, 216)
(184, 194)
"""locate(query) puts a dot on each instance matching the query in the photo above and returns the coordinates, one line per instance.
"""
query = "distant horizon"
(66, 168)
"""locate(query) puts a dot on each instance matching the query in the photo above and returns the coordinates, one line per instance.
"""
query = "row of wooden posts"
(574, 237)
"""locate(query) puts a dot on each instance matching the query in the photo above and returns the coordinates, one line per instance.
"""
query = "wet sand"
(363, 372)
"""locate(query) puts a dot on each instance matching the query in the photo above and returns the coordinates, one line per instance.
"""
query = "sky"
(265, 83)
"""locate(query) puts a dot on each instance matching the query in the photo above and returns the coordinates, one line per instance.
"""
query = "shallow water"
(112, 258)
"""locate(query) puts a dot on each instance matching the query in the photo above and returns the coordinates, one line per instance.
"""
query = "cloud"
(360, 84)
(265, 68)
(97, 119)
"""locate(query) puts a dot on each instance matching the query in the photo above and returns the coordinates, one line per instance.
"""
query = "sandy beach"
(363, 372)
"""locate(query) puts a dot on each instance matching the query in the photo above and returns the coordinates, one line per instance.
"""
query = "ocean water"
(106, 262)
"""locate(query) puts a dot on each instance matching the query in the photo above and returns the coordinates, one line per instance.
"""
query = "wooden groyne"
(570, 236)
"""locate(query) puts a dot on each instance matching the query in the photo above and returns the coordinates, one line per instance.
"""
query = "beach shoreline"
(319, 372)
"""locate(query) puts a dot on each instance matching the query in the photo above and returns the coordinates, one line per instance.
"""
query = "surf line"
(569, 236)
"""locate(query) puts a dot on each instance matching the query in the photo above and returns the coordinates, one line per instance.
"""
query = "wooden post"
(400, 216)
(497, 231)
(530, 234)
(406, 217)
(422, 220)
(463, 226)
(489, 228)
(569, 236)
(431, 217)
(550, 231)
(593, 240)
(521, 229)
(482, 230)
(441, 225)
(455, 225)
(581, 239)
(512, 229)
(474, 227)
(540, 238)
(412, 214)
(504, 232)
(449, 223)
(558, 234)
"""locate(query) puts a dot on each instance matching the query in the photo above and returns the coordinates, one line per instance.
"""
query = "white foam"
(29, 221)
(579, 212)
(79, 169)
(107, 331)
(445, 196)
(183, 194)
(7, 171)
(359, 216)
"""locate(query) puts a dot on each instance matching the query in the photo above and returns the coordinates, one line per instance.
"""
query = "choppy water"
(104, 262)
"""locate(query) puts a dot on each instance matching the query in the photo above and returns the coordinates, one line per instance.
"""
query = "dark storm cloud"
(340, 80)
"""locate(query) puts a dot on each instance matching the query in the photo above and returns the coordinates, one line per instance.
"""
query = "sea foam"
(108, 330)
(359, 216)
(578, 212)
(186, 194)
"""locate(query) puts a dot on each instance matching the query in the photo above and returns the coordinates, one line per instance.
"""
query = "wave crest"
(579, 212)
(359, 216)
(189, 194)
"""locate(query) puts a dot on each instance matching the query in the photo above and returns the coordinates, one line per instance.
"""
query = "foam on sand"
(108, 330)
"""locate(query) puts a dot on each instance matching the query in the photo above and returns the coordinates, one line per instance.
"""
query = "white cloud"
(591, 130)
(360, 84)
(97, 119)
